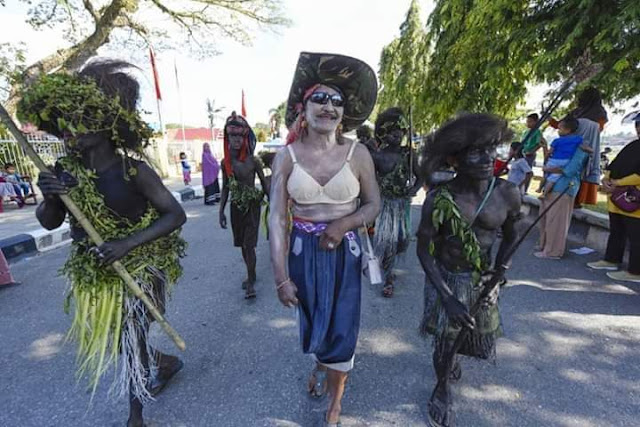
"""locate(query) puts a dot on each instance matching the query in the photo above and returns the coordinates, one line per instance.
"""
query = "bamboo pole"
(92, 232)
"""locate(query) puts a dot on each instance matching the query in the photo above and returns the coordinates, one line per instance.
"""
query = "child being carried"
(561, 151)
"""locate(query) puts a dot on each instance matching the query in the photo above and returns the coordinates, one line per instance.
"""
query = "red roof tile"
(195, 134)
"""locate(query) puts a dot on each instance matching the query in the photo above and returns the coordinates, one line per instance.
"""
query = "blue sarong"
(329, 294)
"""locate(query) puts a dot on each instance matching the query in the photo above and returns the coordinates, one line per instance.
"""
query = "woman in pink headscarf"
(210, 169)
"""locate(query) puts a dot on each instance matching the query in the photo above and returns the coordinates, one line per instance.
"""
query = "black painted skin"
(474, 168)
(99, 154)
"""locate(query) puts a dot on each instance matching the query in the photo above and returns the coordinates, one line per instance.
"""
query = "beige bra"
(342, 188)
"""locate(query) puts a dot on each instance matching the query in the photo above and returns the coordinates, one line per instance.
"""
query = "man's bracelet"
(281, 284)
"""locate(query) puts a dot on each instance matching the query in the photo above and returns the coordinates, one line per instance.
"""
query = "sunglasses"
(323, 98)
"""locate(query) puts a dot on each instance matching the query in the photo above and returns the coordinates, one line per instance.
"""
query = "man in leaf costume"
(95, 112)
(397, 187)
(239, 169)
(459, 225)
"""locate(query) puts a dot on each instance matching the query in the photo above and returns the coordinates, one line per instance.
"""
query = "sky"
(359, 28)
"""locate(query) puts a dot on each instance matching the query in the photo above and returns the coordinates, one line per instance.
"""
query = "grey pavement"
(17, 221)
(569, 357)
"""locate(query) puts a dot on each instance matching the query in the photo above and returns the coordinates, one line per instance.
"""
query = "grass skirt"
(391, 236)
(480, 343)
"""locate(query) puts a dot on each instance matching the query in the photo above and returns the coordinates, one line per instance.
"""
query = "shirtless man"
(455, 257)
(392, 227)
(239, 169)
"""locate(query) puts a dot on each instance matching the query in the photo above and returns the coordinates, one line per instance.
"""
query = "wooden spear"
(92, 232)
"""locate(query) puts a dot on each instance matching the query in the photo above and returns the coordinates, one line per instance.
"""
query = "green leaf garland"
(446, 211)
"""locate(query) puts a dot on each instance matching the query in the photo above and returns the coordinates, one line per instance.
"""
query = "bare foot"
(247, 281)
(440, 411)
(317, 385)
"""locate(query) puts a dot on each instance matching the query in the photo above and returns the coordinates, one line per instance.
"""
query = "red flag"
(244, 108)
(155, 74)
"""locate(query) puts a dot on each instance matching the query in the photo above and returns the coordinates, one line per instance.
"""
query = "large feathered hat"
(354, 78)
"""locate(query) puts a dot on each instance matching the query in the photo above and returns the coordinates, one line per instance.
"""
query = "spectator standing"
(532, 144)
(520, 170)
(623, 174)
(210, 171)
(186, 169)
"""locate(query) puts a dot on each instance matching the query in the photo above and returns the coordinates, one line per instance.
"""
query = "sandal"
(250, 293)
(387, 290)
(319, 388)
(328, 424)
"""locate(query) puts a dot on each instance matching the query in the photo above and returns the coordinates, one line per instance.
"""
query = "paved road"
(570, 356)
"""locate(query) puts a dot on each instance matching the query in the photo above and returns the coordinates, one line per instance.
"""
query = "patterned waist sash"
(317, 228)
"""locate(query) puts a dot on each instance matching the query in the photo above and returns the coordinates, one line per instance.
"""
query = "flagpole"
(161, 152)
(184, 140)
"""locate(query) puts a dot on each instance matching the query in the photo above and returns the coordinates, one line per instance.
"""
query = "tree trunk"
(72, 58)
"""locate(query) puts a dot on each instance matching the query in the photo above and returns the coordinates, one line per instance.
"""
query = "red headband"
(296, 126)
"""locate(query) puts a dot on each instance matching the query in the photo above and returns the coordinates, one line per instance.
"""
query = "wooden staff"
(92, 232)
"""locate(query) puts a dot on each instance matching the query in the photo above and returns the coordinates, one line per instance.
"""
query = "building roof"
(194, 134)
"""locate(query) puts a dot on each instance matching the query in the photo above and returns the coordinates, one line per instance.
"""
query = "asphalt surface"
(569, 357)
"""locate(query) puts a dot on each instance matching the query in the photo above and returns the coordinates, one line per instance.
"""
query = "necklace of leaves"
(446, 211)
(97, 292)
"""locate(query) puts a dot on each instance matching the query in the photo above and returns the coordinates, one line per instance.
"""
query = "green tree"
(482, 53)
(262, 131)
(192, 25)
(402, 67)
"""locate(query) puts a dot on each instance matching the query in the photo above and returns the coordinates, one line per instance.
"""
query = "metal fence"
(48, 147)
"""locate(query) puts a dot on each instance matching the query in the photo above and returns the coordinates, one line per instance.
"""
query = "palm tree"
(277, 119)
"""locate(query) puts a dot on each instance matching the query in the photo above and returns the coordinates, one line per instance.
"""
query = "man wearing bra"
(329, 182)
(392, 228)
(239, 170)
(459, 225)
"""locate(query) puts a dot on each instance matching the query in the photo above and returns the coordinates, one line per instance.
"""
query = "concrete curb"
(588, 228)
(189, 193)
(42, 240)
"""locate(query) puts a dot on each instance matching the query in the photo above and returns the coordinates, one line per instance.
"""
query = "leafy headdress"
(101, 99)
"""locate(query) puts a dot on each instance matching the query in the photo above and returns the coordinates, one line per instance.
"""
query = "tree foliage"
(480, 55)
(477, 61)
(193, 25)
(402, 67)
